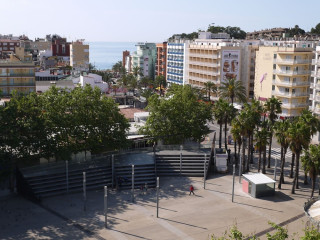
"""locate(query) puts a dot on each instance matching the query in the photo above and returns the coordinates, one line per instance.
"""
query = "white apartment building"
(177, 57)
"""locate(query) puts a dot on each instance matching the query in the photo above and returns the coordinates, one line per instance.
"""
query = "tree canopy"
(178, 117)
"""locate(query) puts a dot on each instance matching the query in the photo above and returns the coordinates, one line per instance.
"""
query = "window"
(273, 87)
(274, 66)
(274, 77)
(275, 56)
(293, 91)
(286, 90)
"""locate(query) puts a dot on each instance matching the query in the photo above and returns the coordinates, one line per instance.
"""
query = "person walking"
(191, 189)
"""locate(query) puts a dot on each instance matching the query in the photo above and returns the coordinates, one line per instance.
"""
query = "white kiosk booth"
(258, 185)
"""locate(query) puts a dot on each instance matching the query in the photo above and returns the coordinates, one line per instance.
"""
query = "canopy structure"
(258, 185)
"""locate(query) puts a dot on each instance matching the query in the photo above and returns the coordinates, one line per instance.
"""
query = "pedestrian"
(191, 190)
(146, 187)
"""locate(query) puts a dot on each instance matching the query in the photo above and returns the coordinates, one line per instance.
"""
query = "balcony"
(205, 72)
(294, 105)
(316, 62)
(291, 73)
(203, 79)
(315, 86)
(175, 73)
(315, 74)
(286, 94)
(290, 84)
(291, 61)
(211, 56)
(206, 64)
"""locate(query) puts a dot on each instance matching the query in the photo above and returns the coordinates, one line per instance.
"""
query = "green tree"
(178, 117)
(160, 82)
(280, 234)
(236, 32)
(261, 138)
(137, 71)
(210, 87)
(299, 137)
(272, 107)
(281, 133)
(316, 29)
(311, 233)
(311, 163)
(118, 68)
(233, 89)
(237, 132)
(219, 115)
(296, 30)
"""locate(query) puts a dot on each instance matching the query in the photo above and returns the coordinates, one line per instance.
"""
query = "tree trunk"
(284, 162)
(264, 160)
(281, 169)
(220, 134)
(296, 174)
(305, 182)
(292, 164)
(225, 133)
(249, 153)
(259, 161)
(297, 171)
(251, 158)
(243, 155)
(313, 177)
(270, 145)
(239, 149)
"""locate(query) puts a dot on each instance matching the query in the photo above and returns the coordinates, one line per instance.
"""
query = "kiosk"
(258, 185)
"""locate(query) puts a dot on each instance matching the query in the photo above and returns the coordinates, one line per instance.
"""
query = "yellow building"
(284, 72)
(17, 73)
(79, 55)
(212, 61)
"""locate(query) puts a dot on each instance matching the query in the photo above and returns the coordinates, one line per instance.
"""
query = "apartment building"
(17, 73)
(161, 62)
(177, 57)
(283, 70)
(315, 83)
(7, 46)
(145, 58)
(79, 55)
(213, 60)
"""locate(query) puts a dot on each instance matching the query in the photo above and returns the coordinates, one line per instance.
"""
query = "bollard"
(112, 169)
(157, 197)
(234, 175)
(240, 169)
(105, 206)
(84, 192)
(132, 181)
(67, 175)
(275, 169)
(204, 171)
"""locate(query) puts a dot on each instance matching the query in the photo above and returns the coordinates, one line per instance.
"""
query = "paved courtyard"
(180, 216)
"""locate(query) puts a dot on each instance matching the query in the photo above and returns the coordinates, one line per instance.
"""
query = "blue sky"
(148, 20)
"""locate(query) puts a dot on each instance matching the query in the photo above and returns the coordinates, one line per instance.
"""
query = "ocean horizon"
(105, 54)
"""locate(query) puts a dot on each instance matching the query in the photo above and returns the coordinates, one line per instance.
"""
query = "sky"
(148, 20)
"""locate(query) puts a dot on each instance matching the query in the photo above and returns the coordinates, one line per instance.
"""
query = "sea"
(105, 54)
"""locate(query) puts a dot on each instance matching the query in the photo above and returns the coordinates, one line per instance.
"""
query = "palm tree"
(236, 131)
(281, 132)
(314, 125)
(311, 163)
(233, 89)
(161, 82)
(299, 137)
(210, 88)
(219, 115)
(229, 114)
(261, 138)
(272, 107)
(137, 71)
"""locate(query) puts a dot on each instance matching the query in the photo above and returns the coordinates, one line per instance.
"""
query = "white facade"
(94, 80)
(177, 62)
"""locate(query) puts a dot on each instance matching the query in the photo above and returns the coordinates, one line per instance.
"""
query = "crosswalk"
(276, 153)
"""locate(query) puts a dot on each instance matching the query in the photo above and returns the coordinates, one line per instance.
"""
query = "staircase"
(143, 174)
(55, 183)
(190, 165)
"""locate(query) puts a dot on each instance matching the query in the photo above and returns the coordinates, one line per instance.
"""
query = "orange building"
(161, 63)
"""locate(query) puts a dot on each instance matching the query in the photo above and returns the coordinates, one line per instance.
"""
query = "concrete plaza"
(181, 216)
